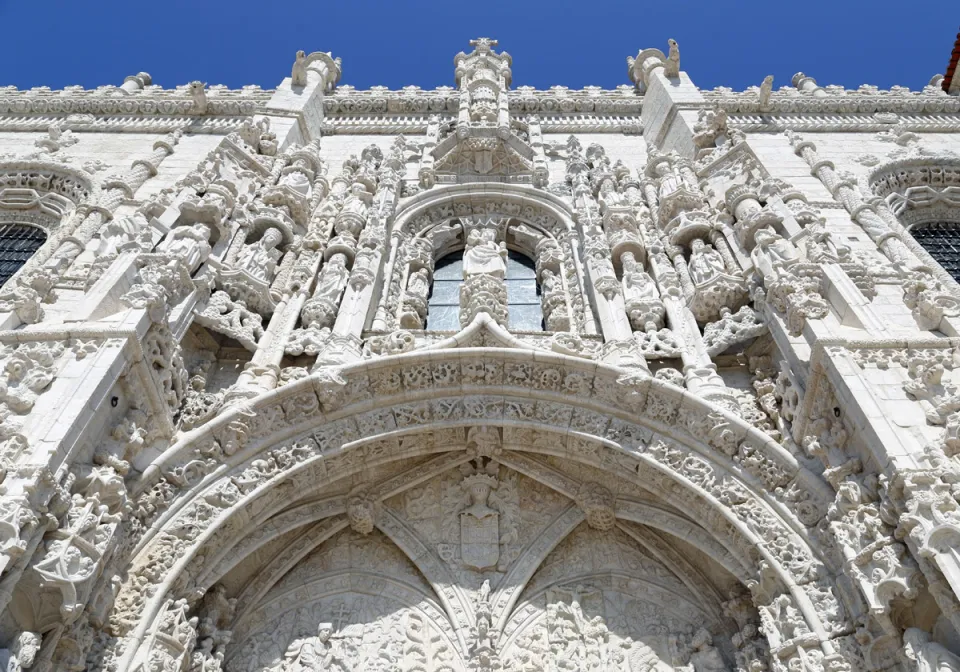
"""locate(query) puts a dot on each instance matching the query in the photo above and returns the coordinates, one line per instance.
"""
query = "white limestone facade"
(480, 378)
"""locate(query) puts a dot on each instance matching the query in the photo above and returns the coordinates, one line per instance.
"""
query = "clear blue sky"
(731, 43)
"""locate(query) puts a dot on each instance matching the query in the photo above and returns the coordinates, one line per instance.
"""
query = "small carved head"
(271, 238)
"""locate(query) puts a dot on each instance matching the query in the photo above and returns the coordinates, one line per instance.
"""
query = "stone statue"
(484, 255)
(705, 656)
(772, 254)
(189, 244)
(418, 284)
(609, 196)
(636, 282)
(357, 203)
(297, 179)
(120, 234)
(553, 300)
(260, 259)
(766, 88)
(23, 654)
(298, 75)
(705, 263)
(313, 654)
(824, 238)
(631, 656)
(928, 656)
(672, 68)
(333, 278)
(669, 180)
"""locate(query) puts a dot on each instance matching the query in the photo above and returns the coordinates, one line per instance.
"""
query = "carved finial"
(323, 63)
(672, 68)
(298, 76)
(483, 44)
(199, 96)
(766, 88)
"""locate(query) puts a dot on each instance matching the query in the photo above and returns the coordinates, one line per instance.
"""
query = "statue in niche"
(608, 196)
(418, 284)
(669, 179)
(773, 254)
(333, 278)
(484, 255)
(636, 282)
(260, 259)
(928, 656)
(358, 201)
(189, 244)
(705, 263)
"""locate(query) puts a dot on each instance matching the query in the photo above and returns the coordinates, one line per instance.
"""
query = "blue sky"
(397, 43)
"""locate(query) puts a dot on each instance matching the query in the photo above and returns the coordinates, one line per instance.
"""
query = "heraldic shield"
(479, 525)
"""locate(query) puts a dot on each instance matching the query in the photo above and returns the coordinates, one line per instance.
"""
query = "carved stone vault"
(481, 378)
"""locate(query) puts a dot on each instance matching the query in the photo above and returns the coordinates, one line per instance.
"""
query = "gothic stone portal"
(597, 600)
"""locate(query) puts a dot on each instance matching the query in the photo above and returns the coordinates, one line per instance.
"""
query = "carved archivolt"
(45, 189)
(920, 189)
(319, 430)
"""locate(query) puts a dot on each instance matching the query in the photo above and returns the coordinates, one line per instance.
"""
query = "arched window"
(942, 241)
(524, 312)
(444, 302)
(18, 242)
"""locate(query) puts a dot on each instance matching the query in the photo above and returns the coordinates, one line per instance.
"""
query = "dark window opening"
(18, 242)
(942, 241)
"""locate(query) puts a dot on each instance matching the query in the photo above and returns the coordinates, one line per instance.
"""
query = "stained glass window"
(18, 242)
(942, 241)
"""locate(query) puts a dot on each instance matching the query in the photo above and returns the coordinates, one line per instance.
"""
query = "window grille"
(942, 241)
(18, 242)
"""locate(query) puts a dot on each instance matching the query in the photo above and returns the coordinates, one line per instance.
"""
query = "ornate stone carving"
(306, 478)
(231, 318)
(597, 504)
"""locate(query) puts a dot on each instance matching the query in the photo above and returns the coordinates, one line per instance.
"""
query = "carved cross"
(340, 617)
(483, 43)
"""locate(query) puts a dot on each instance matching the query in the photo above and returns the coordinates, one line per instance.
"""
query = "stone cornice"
(416, 124)
(382, 111)
(865, 100)
(153, 100)
(213, 125)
